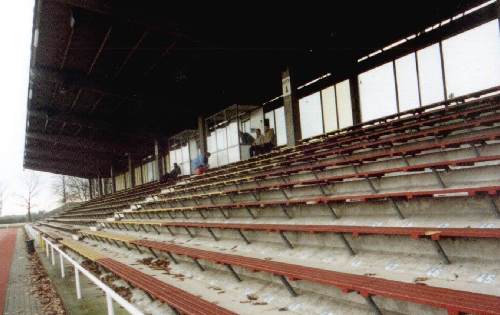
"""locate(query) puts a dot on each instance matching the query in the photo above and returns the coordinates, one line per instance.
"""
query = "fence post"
(77, 283)
(53, 255)
(109, 302)
(61, 260)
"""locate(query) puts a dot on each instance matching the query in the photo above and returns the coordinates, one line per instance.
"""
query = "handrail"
(111, 295)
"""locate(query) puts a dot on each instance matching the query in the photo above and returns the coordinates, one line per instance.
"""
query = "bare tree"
(72, 189)
(32, 183)
(59, 188)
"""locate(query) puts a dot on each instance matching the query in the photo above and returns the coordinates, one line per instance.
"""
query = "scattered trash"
(420, 279)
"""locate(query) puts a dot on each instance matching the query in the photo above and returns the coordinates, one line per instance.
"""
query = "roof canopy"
(107, 77)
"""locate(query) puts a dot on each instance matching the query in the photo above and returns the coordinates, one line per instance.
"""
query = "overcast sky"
(15, 34)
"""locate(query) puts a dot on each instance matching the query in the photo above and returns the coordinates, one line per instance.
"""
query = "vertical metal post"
(91, 188)
(61, 261)
(46, 248)
(109, 303)
(396, 85)
(443, 74)
(337, 106)
(291, 107)
(113, 181)
(77, 284)
(53, 255)
(355, 100)
(322, 112)
(158, 164)
(418, 80)
(131, 169)
(142, 172)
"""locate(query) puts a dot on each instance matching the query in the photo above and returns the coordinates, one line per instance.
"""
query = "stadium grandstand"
(244, 159)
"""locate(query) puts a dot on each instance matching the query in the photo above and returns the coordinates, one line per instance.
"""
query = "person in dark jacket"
(172, 175)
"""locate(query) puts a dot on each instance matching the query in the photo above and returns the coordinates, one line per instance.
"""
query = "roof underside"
(107, 77)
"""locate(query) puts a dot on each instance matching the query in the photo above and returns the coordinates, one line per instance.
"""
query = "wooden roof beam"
(79, 80)
(106, 8)
(78, 142)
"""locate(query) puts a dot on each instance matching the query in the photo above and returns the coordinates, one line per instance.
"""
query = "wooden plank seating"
(107, 235)
(92, 214)
(415, 126)
(119, 201)
(395, 195)
(432, 233)
(121, 198)
(482, 120)
(62, 227)
(424, 112)
(334, 149)
(454, 301)
(47, 233)
(181, 301)
(82, 250)
(384, 124)
(73, 221)
(413, 232)
(446, 165)
(354, 159)
(398, 138)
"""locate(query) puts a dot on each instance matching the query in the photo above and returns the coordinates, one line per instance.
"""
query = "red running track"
(7, 248)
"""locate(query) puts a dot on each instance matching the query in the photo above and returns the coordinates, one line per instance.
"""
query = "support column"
(91, 188)
(291, 107)
(105, 186)
(131, 169)
(202, 135)
(113, 182)
(356, 106)
(99, 182)
(159, 166)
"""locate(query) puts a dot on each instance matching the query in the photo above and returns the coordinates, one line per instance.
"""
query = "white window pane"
(233, 154)
(329, 109)
(246, 126)
(185, 153)
(377, 92)
(145, 173)
(257, 120)
(280, 130)
(472, 59)
(270, 116)
(211, 143)
(185, 168)
(406, 74)
(232, 134)
(429, 69)
(344, 105)
(311, 121)
(178, 155)
(193, 149)
(138, 178)
(151, 171)
(222, 158)
(221, 138)
(212, 160)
